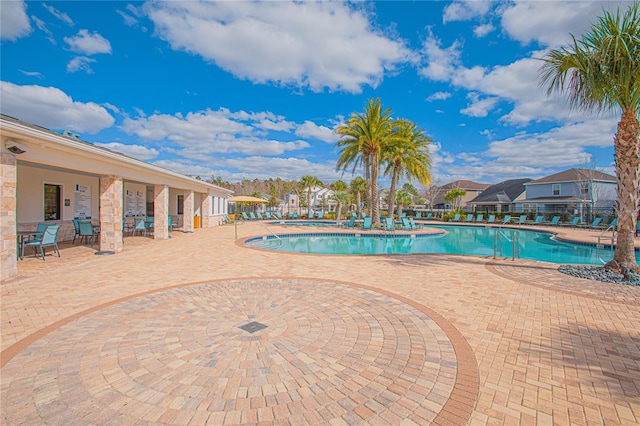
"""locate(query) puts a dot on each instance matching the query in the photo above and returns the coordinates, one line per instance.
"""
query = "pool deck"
(151, 335)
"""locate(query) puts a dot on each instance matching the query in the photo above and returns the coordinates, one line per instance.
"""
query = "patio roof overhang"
(44, 147)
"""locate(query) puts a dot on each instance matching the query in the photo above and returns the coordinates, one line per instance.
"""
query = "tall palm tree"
(406, 155)
(309, 182)
(361, 142)
(600, 72)
(358, 186)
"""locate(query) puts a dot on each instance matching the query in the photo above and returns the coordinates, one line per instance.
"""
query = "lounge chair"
(537, 220)
(259, 215)
(418, 215)
(554, 221)
(366, 225)
(310, 215)
(522, 220)
(429, 216)
(389, 225)
(456, 218)
(612, 225)
(279, 215)
(320, 215)
(245, 216)
(351, 223)
(405, 224)
(413, 224)
(491, 218)
(469, 218)
(253, 216)
(49, 238)
(573, 223)
(506, 219)
(479, 217)
(267, 215)
(595, 223)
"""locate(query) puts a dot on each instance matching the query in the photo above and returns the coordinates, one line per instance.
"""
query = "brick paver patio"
(151, 335)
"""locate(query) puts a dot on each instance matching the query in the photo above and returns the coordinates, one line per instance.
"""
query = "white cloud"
(439, 96)
(479, 107)
(211, 132)
(466, 10)
(483, 30)
(136, 151)
(14, 22)
(59, 15)
(32, 73)
(309, 129)
(80, 63)
(88, 44)
(52, 108)
(304, 44)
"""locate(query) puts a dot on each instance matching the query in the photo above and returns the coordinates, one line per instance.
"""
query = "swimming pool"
(304, 223)
(470, 240)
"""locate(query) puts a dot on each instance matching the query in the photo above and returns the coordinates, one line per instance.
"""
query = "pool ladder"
(602, 236)
(498, 243)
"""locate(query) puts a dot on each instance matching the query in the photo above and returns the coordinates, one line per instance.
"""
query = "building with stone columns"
(55, 178)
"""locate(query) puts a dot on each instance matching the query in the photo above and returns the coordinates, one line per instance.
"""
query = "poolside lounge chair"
(253, 216)
(405, 224)
(49, 238)
(429, 216)
(389, 225)
(350, 224)
(418, 215)
(479, 217)
(573, 223)
(366, 225)
(414, 225)
(522, 220)
(554, 221)
(279, 215)
(456, 218)
(469, 218)
(612, 225)
(506, 219)
(245, 216)
(537, 220)
(310, 215)
(595, 223)
(267, 215)
(491, 218)
(320, 215)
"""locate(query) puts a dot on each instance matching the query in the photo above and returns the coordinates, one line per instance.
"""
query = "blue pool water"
(303, 223)
(469, 240)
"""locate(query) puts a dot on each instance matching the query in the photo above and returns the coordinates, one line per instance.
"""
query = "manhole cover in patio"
(252, 327)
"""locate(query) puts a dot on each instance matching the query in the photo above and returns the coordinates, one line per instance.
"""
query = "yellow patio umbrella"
(246, 199)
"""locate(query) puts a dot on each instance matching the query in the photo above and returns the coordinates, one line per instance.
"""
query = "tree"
(362, 139)
(454, 197)
(358, 187)
(406, 154)
(601, 72)
(308, 182)
(403, 198)
(341, 198)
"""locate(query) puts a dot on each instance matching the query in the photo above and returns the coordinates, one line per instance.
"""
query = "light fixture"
(14, 147)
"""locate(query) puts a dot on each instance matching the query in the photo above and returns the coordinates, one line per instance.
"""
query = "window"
(52, 202)
(555, 189)
(584, 188)
(180, 204)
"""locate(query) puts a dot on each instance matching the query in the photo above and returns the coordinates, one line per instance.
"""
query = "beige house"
(55, 178)
(473, 189)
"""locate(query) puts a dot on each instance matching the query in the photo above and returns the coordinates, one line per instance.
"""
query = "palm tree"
(309, 182)
(358, 187)
(403, 199)
(600, 72)
(341, 197)
(406, 155)
(361, 142)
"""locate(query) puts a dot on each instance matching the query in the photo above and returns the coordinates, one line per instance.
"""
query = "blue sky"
(239, 89)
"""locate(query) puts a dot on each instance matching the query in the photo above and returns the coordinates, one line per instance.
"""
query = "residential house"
(575, 191)
(472, 189)
(501, 197)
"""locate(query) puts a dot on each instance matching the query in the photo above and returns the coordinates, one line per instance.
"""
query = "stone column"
(161, 212)
(206, 208)
(111, 213)
(189, 208)
(8, 222)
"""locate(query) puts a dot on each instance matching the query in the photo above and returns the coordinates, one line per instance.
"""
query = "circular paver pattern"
(314, 351)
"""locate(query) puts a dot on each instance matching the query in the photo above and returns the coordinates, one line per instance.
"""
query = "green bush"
(448, 216)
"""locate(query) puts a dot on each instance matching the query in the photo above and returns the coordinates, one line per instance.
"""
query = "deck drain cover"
(252, 327)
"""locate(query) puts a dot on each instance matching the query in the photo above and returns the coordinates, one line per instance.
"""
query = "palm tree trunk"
(367, 178)
(359, 203)
(628, 169)
(392, 189)
(375, 207)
